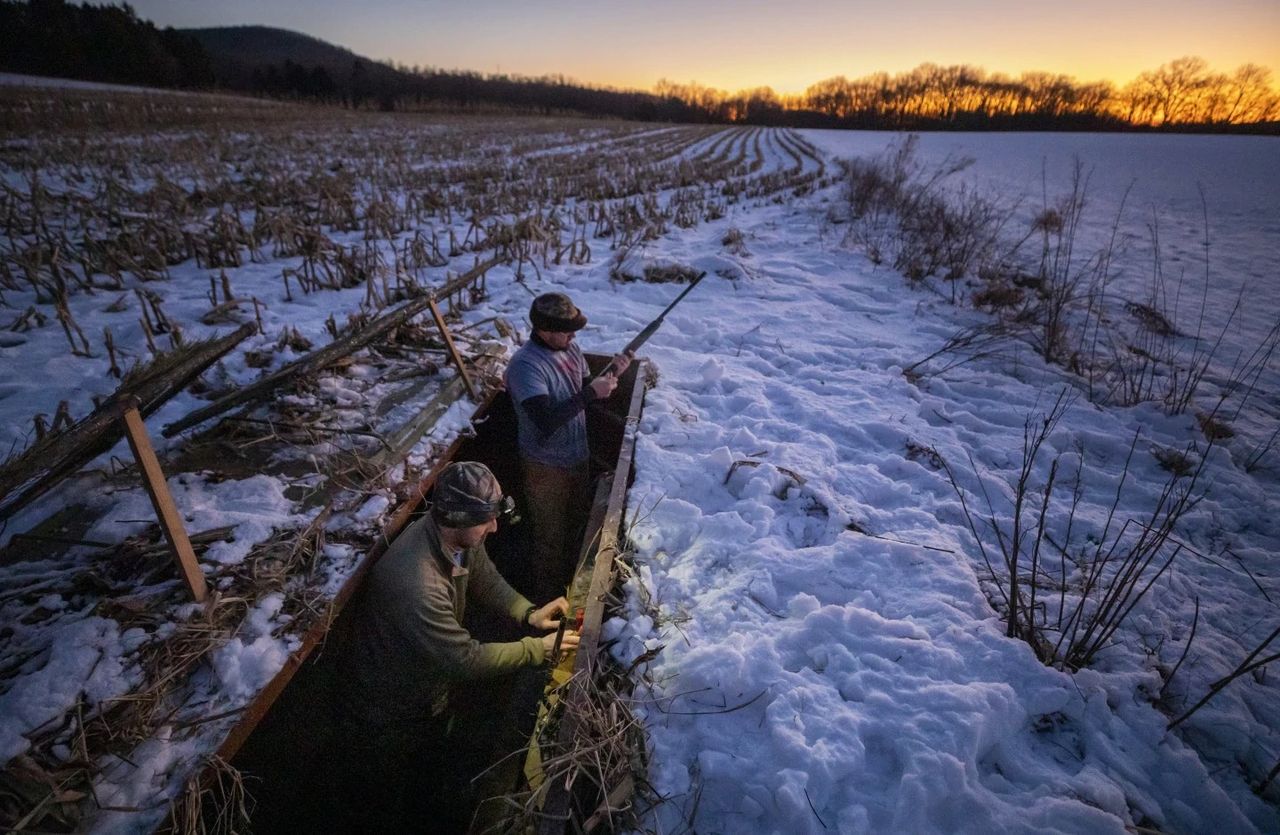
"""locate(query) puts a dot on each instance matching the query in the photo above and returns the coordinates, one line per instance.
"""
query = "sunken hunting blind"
(277, 742)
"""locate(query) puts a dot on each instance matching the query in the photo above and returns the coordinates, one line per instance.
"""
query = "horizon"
(1091, 41)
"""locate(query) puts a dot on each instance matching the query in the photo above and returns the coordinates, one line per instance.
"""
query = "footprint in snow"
(711, 371)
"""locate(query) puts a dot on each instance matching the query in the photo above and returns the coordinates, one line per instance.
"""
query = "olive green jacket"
(409, 642)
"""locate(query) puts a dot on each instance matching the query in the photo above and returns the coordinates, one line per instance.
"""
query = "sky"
(739, 44)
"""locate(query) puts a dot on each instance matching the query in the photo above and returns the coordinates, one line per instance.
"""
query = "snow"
(246, 663)
(373, 509)
(10, 79)
(1207, 206)
(813, 678)
(85, 657)
(830, 656)
(253, 506)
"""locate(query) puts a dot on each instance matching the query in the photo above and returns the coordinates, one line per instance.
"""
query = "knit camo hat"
(467, 494)
(555, 312)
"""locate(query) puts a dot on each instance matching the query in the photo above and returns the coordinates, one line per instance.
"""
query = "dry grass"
(602, 767)
(144, 193)
(25, 110)
(214, 801)
(53, 791)
(602, 763)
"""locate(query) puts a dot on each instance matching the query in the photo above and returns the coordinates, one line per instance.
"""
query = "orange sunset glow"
(743, 45)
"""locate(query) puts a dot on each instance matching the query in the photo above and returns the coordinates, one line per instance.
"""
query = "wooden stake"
(27, 476)
(453, 351)
(175, 532)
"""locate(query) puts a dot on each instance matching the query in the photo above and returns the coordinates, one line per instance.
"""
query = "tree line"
(111, 43)
(369, 85)
(98, 43)
(1183, 94)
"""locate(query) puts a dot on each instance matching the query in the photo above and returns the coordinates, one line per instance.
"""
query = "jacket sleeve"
(456, 653)
(488, 588)
(445, 645)
(548, 416)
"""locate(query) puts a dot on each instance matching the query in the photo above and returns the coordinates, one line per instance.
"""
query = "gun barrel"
(683, 293)
(652, 328)
(642, 337)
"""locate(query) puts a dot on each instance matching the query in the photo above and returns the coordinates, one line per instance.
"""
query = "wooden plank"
(555, 810)
(577, 593)
(601, 576)
(595, 521)
(453, 349)
(175, 532)
(323, 357)
(47, 462)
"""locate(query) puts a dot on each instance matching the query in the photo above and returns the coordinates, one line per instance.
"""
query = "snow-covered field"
(817, 679)
(1200, 210)
(831, 659)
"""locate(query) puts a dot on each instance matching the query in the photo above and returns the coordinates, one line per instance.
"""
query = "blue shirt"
(538, 370)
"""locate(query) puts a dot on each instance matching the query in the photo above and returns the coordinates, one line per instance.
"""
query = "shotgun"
(652, 328)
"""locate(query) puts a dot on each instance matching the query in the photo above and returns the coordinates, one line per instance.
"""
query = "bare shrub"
(964, 346)
(1119, 351)
(1063, 279)
(1250, 663)
(903, 213)
(1070, 615)
(1255, 457)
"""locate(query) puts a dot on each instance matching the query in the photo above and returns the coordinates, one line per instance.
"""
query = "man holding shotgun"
(551, 387)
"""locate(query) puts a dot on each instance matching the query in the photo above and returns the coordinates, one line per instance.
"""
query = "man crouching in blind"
(409, 645)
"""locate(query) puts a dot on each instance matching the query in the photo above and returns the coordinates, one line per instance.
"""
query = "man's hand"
(568, 641)
(603, 386)
(548, 617)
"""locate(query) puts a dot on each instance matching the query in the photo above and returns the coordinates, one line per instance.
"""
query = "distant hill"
(243, 55)
(279, 62)
(255, 45)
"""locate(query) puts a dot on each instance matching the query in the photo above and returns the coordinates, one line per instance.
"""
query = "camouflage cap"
(466, 494)
(556, 312)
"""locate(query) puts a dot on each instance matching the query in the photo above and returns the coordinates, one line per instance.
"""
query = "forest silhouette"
(112, 44)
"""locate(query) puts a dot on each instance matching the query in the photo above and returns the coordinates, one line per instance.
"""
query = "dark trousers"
(557, 498)
(397, 778)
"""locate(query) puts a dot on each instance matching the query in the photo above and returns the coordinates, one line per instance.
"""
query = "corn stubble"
(125, 193)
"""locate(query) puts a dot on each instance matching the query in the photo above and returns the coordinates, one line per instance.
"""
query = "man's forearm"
(550, 417)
